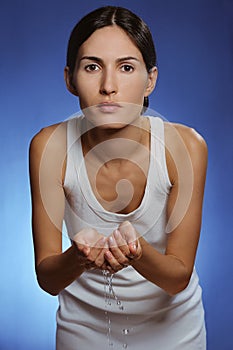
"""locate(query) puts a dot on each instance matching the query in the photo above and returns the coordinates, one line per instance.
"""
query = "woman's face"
(110, 78)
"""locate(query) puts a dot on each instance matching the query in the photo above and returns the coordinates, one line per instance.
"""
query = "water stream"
(110, 298)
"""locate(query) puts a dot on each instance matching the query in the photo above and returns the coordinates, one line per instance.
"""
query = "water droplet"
(111, 298)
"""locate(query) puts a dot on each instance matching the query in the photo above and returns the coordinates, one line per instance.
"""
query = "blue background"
(195, 50)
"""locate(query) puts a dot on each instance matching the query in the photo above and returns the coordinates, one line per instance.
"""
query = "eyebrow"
(119, 60)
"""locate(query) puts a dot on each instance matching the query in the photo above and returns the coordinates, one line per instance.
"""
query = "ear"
(69, 84)
(152, 78)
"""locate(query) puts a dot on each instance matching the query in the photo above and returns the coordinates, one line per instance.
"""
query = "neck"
(116, 148)
(115, 140)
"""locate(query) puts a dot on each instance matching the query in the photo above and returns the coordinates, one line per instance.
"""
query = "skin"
(102, 76)
(110, 76)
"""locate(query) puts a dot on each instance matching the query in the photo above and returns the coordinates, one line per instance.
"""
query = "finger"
(128, 232)
(130, 235)
(119, 240)
(95, 250)
(133, 247)
(85, 239)
(135, 255)
(119, 253)
(100, 258)
(114, 264)
(128, 249)
(139, 251)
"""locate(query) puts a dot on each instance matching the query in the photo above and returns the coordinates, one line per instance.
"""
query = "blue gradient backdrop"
(194, 41)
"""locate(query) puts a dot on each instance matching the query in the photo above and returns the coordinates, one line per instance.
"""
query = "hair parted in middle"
(134, 27)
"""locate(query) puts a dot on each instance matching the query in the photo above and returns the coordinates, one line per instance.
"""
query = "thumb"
(128, 232)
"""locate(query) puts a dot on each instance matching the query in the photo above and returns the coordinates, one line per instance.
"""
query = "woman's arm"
(172, 271)
(55, 270)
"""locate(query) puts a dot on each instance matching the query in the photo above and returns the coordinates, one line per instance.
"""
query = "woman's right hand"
(91, 248)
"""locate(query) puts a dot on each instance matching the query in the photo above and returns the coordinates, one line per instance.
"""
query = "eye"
(92, 67)
(127, 68)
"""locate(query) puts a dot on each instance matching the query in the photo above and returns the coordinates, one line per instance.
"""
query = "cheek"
(137, 84)
(86, 89)
(134, 91)
(81, 81)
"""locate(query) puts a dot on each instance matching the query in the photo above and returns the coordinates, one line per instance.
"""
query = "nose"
(108, 84)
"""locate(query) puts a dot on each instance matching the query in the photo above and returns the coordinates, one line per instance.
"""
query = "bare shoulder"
(185, 147)
(53, 136)
(177, 135)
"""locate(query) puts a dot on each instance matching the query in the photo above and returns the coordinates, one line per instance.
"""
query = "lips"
(108, 107)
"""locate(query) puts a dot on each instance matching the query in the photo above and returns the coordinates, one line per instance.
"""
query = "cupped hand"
(124, 247)
(91, 248)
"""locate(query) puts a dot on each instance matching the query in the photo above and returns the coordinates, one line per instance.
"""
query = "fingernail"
(117, 233)
(111, 241)
(108, 254)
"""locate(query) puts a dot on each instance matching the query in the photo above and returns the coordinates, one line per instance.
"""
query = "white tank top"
(145, 304)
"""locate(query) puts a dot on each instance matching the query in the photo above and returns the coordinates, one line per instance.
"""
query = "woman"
(130, 189)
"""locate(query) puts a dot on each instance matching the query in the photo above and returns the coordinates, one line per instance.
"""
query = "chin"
(115, 120)
(107, 123)
(110, 126)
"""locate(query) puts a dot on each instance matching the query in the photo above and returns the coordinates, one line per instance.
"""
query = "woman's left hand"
(124, 247)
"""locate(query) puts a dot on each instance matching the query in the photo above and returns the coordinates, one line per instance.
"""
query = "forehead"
(110, 41)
